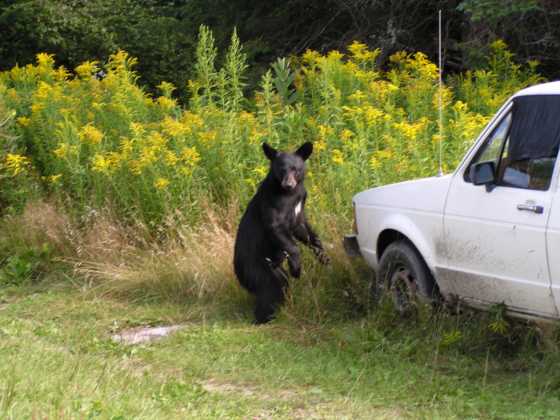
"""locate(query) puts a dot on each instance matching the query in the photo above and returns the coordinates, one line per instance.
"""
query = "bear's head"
(288, 169)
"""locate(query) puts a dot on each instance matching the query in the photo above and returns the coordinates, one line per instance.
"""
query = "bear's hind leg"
(268, 301)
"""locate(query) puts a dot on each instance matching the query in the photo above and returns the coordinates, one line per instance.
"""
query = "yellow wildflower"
(156, 140)
(64, 149)
(89, 134)
(37, 107)
(126, 146)
(346, 134)
(114, 159)
(166, 88)
(374, 163)
(460, 106)
(12, 94)
(16, 163)
(161, 183)
(357, 48)
(246, 117)
(44, 59)
(43, 91)
(337, 157)
(135, 167)
(335, 55)
(23, 121)
(170, 158)
(54, 179)
(190, 156)
(192, 120)
(255, 136)
(208, 136)
(186, 170)
(137, 129)
(446, 97)
(261, 171)
(251, 183)
(87, 69)
(498, 45)
(174, 128)
(61, 74)
(193, 85)
(409, 131)
(383, 154)
(120, 61)
(148, 155)
(325, 131)
(310, 56)
(100, 164)
(373, 114)
(319, 145)
(166, 103)
(398, 57)
(358, 96)
(423, 66)
(361, 53)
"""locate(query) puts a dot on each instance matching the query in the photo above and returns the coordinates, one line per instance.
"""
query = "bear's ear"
(269, 151)
(305, 150)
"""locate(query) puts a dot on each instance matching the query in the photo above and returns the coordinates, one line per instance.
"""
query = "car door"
(494, 238)
(553, 246)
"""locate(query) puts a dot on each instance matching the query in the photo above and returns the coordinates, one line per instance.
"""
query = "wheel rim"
(403, 288)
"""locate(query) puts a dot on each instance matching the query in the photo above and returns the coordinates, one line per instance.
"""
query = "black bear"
(274, 219)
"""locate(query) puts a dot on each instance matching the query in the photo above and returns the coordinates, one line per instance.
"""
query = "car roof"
(551, 88)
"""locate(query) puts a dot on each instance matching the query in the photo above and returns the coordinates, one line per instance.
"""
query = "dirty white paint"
(145, 334)
(297, 210)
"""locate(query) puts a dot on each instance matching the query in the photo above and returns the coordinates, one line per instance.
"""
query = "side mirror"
(483, 173)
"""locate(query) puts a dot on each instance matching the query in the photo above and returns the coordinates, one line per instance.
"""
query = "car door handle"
(531, 207)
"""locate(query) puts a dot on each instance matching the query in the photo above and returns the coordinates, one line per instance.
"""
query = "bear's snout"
(289, 181)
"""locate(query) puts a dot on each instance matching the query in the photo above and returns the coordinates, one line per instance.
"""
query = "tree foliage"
(163, 33)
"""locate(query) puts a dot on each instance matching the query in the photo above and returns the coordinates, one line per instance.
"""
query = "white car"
(490, 232)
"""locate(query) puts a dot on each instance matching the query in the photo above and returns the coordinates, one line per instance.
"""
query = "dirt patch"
(144, 334)
(247, 390)
(303, 404)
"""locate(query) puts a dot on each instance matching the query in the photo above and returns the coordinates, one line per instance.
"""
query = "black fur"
(268, 231)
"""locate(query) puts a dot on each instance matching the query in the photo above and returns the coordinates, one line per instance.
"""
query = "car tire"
(404, 276)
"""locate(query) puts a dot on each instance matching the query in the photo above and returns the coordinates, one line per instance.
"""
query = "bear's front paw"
(322, 256)
(294, 265)
(277, 260)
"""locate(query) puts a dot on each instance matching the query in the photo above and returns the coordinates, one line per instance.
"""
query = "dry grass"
(41, 222)
(186, 264)
(191, 263)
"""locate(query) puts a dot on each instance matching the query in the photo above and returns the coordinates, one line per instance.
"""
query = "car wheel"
(404, 276)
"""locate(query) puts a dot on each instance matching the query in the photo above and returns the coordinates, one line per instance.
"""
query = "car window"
(531, 173)
(492, 148)
(534, 174)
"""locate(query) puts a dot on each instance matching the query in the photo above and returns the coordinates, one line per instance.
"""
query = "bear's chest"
(292, 213)
(297, 208)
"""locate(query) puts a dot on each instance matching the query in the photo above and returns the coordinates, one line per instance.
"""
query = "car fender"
(416, 234)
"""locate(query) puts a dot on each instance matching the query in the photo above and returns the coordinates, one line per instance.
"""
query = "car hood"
(426, 194)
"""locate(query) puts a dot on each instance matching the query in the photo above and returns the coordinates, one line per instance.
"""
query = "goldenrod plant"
(102, 142)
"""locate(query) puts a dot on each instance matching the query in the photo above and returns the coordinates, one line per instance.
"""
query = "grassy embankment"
(119, 210)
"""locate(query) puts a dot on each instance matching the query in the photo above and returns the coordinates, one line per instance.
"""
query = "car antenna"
(440, 102)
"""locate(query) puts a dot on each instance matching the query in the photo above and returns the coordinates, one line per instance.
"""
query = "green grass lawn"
(57, 360)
